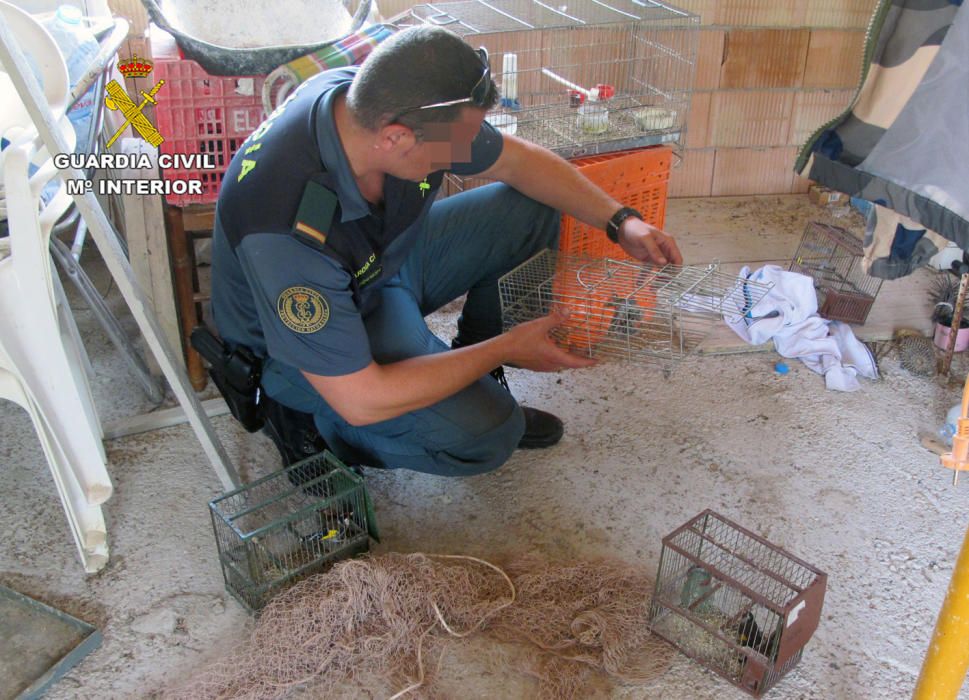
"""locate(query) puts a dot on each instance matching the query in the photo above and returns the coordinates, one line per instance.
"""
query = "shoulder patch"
(302, 309)
(317, 208)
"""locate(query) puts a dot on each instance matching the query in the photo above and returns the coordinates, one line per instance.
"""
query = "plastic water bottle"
(948, 428)
(79, 46)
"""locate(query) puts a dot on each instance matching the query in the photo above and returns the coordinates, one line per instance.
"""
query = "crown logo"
(135, 67)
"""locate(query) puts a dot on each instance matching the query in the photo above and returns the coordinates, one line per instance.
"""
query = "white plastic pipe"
(590, 95)
(509, 76)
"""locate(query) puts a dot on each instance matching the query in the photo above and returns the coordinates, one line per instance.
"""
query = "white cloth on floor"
(788, 315)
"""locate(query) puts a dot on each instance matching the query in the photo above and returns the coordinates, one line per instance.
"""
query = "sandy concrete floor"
(838, 479)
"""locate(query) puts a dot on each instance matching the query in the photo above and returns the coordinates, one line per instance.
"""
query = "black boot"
(293, 432)
(542, 429)
(295, 436)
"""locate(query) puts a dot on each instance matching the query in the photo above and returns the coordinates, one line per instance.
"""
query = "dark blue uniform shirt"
(298, 253)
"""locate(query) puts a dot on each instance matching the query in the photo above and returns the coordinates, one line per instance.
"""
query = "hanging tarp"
(904, 142)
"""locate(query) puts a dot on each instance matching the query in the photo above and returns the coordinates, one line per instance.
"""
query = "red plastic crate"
(202, 113)
(637, 178)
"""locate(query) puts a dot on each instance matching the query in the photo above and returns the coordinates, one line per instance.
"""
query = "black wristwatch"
(612, 228)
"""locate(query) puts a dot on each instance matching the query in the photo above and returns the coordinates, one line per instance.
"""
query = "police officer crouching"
(330, 249)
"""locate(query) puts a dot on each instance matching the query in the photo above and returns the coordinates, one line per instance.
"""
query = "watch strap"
(616, 221)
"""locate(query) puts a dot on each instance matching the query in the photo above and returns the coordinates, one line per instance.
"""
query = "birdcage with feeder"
(583, 78)
(734, 602)
(832, 257)
(290, 524)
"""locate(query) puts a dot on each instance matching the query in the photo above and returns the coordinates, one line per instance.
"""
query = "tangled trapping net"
(392, 617)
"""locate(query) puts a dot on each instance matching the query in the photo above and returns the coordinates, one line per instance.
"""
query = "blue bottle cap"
(781, 368)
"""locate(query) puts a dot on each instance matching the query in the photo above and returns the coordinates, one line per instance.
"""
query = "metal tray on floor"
(38, 645)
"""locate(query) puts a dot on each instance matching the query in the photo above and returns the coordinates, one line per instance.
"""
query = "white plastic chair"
(41, 359)
(86, 521)
(41, 365)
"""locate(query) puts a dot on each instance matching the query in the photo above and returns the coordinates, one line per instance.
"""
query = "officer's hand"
(647, 243)
(531, 346)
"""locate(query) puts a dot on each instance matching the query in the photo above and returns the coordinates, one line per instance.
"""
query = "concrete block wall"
(768, 74)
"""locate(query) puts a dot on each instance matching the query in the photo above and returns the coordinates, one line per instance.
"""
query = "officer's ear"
(395, 137)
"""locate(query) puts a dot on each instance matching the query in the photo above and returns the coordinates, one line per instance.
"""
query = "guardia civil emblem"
(302, 309)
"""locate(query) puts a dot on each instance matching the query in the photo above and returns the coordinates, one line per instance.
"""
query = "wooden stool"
(184, 225)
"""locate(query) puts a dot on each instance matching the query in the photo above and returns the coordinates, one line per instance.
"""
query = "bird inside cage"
(751, 636)
(607, 302)
(336, 529)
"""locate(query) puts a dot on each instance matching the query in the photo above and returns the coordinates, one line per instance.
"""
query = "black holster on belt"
(236, 373)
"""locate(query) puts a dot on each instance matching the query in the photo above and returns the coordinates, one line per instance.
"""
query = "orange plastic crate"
(637, 178)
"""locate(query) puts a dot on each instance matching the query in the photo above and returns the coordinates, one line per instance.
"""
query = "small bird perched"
(625, 319)
(329, 535)
(749, 635)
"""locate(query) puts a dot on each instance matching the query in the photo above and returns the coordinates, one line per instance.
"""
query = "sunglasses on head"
(477, 98)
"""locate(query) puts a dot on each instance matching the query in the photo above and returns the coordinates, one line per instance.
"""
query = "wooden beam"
(157, 420)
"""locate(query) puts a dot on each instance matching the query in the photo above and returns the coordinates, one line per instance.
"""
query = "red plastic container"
(207, 114)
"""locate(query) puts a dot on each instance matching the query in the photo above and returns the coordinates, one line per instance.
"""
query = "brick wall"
(768, 74)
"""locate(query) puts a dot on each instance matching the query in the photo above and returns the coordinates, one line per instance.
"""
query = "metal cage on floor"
(832, 257)
(626, 310)
(734, 602)
(583, 78)
(290, 524)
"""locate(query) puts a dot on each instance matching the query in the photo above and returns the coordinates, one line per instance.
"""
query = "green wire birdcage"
(290, 524)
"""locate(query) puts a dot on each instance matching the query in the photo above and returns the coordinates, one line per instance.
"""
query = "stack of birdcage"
(583, 78)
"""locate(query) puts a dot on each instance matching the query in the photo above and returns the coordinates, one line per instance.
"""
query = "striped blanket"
(349, 51)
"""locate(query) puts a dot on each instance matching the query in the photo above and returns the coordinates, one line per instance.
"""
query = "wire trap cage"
(583, 78)
(626, 310)
(832, 257)
(290, 524)
(734, 602)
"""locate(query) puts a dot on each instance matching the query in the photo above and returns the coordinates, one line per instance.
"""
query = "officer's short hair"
(415, 67)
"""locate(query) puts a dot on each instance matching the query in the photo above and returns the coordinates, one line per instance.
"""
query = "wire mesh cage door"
(623, 309)
(832, 257)
(734, 602)
(290, 524)
(583, 78)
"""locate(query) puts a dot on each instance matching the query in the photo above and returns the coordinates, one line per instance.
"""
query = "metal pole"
(947, 660)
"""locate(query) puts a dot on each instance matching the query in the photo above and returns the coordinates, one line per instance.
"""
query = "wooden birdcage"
(832, 257)
(734, 602)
